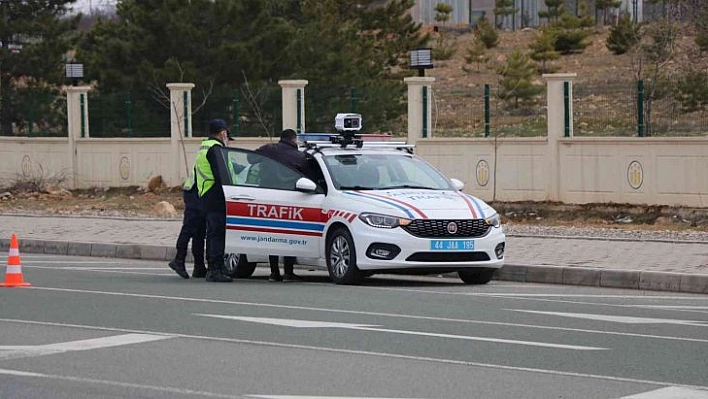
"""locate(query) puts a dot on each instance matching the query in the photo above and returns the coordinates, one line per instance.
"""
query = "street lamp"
(74, 71)
(421, 59)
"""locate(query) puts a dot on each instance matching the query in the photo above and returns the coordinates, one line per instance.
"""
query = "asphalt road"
(102, 327)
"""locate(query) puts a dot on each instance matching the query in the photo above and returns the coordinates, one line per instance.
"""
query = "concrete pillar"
(77, 124)
(180, 127)
(293, 116)
(556, 126)
(419, 108)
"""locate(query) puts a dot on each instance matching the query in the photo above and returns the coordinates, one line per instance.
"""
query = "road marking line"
(87, 262)
(368, 353)
(17, 351)
(617, 319)
(310, 397)
(364, 327)
(537, 297)
(696, 297)
(670, 393)
(170, 390)
(356, 312)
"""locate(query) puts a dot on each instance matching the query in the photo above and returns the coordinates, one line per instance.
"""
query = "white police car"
(369, 207)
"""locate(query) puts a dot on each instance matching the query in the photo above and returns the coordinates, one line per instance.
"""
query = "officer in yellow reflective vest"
(211, 193)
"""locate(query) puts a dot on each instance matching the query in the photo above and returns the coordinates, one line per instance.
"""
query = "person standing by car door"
(193, 228)
(285, 151)
(211, 193)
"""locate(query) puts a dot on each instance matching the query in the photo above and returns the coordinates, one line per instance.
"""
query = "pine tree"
(445, 47)
(486, 33)
(623, 36)
(543, 49)
(35, 36)
(554, 9)
(502, 10)
(517, 79)
(476, 54)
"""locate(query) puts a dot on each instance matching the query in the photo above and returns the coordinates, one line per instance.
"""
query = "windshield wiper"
(409, 186)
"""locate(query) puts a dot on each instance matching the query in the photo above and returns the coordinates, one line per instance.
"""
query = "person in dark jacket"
(286, 152)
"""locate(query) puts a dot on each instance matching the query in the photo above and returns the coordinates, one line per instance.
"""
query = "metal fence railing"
(35, 113)
(635, 108)
(608, 108)
(480, 112)
(128, 114)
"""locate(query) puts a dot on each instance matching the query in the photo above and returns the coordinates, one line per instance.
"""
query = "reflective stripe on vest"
(189, 183)
(202, 168)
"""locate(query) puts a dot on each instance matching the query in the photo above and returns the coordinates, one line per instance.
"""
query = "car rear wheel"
(476, 276)
(237, 265)
(341, 258)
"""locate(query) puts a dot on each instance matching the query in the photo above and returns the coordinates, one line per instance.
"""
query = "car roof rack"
(355, 140)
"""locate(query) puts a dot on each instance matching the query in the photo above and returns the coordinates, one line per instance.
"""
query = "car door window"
(248, 168)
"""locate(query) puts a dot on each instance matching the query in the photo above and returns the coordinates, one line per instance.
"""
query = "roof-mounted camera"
(347, 125)
(347, 122)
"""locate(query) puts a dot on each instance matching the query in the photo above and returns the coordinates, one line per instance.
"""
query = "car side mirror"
(457, 184)
(305, 185)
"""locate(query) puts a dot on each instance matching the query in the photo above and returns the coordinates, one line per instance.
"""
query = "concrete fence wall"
(652, 171)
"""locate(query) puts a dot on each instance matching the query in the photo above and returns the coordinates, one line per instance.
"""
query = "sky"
(85, 6)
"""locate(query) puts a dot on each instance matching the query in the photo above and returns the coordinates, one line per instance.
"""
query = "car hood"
(420, 204)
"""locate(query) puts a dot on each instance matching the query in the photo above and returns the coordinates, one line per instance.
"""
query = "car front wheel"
(476, 276)
(341, 258)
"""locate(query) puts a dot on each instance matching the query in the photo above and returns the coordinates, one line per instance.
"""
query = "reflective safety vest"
(202, 168)
(189, 183)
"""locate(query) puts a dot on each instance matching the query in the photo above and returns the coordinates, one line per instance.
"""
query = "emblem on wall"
(635, 175)
(482, 173)
(124, 168)
(26, 166)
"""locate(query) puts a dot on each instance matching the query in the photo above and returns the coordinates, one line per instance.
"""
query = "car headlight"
(494, 220)
(383, 221)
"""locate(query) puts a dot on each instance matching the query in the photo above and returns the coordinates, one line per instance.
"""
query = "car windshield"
(383, 172)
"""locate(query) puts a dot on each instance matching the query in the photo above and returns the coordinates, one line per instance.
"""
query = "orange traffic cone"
(13, 276)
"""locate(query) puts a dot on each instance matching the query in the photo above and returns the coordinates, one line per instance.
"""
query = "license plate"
(452, 245)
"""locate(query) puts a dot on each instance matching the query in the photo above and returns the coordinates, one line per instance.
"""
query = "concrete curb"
(608, 278)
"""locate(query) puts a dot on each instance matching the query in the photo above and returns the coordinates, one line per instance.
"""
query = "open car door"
(271, 209)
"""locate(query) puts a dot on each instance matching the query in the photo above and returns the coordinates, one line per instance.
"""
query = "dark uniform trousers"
(193, 226)
(216, 232)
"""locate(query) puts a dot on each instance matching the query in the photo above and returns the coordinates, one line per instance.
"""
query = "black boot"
(274, 271)
(200, 270)
(288, 273)
(178, 266)
(217, 274)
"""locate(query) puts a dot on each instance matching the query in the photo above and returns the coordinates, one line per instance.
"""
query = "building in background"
(467, 12)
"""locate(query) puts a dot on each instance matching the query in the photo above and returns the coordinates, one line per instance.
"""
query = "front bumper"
(410, 252)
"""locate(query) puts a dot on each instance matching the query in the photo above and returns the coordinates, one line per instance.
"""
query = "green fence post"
(566, 109)
(235, 103)
(425, 111)
(186, 111)
(487, 119)
(129, 115)
(82, 112)
(299, 111)
(640, 108)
